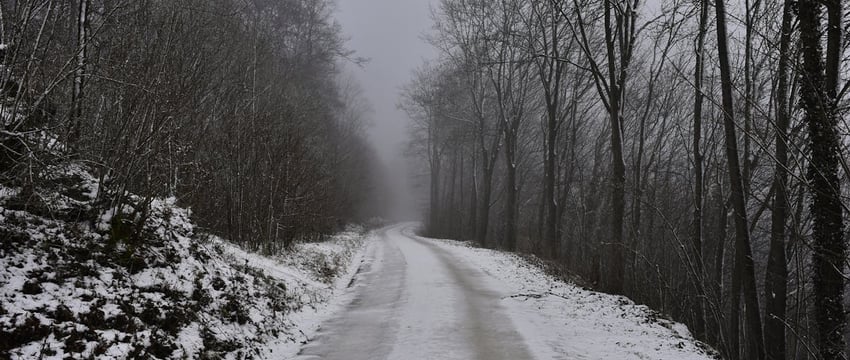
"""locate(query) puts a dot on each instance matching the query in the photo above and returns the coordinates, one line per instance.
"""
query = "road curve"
(414, 300)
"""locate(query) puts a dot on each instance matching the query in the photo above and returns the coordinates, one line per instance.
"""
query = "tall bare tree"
(776, 277)
(744, 265)
(620, 29)
(699, 64)
(818, 92)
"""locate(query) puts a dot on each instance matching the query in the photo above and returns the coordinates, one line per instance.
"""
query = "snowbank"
(82, 280)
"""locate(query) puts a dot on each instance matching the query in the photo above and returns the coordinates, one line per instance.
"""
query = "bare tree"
(699, 185)
(818, 91)
(509, 72)
(620, 31)
(550, 46)
(744, 267)
(776, 278)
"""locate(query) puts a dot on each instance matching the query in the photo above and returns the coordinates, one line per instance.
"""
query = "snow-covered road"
(416, 301)
(417, 298)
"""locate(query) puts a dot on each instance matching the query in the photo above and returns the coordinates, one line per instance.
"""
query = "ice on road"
(415, 301)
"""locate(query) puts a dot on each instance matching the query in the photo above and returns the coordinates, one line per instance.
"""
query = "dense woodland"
(691, 155)
(237, 108)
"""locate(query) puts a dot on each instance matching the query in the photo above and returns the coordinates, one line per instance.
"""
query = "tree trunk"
(434, 161)
(549, 198)
(459, 222)
(618, 167)
(699, 268)
(550, 74)
(79, 73)
(717, 278)
(776, 276)
(743, 252)
(818, 95)
(509, 242)
(484, 205)
(734, 344)
(473, 201)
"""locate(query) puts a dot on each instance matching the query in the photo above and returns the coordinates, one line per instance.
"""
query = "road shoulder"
(562, 321)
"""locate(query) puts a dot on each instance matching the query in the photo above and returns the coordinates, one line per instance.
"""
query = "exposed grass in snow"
(560, 320)
(81, 280)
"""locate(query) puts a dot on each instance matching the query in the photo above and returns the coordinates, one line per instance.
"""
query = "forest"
(239, 109)
(691, 155)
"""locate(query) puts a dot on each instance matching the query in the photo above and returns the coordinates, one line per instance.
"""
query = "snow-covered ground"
(419, 298)
(324, 271)
(559, 320)
(77, 282)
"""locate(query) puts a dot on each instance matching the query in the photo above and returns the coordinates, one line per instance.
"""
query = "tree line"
(691, 155)
(239, 109)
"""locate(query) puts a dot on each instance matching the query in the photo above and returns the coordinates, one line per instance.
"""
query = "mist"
(424, 179)
(389, 34)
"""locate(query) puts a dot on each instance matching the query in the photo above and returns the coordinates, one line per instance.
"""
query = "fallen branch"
(536, 296)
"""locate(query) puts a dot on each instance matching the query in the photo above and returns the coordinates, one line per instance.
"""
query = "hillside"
(83, 279)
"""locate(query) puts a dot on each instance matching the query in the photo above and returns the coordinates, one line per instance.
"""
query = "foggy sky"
(388, 32)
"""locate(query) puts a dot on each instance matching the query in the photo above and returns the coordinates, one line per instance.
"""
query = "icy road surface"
(418, 302)
(416, 298)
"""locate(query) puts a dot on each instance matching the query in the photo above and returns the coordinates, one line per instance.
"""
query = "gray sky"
(388, 32)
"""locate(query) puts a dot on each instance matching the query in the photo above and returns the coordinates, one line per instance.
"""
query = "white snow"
(337, 295)
(203, 295)
(559, 320)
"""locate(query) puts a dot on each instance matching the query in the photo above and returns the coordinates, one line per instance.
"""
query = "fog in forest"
(425, 179)
(389, 34)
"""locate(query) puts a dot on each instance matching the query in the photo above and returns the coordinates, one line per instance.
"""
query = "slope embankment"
(82, 279)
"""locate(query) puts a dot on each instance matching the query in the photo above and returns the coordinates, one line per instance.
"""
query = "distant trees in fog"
(691, 156)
